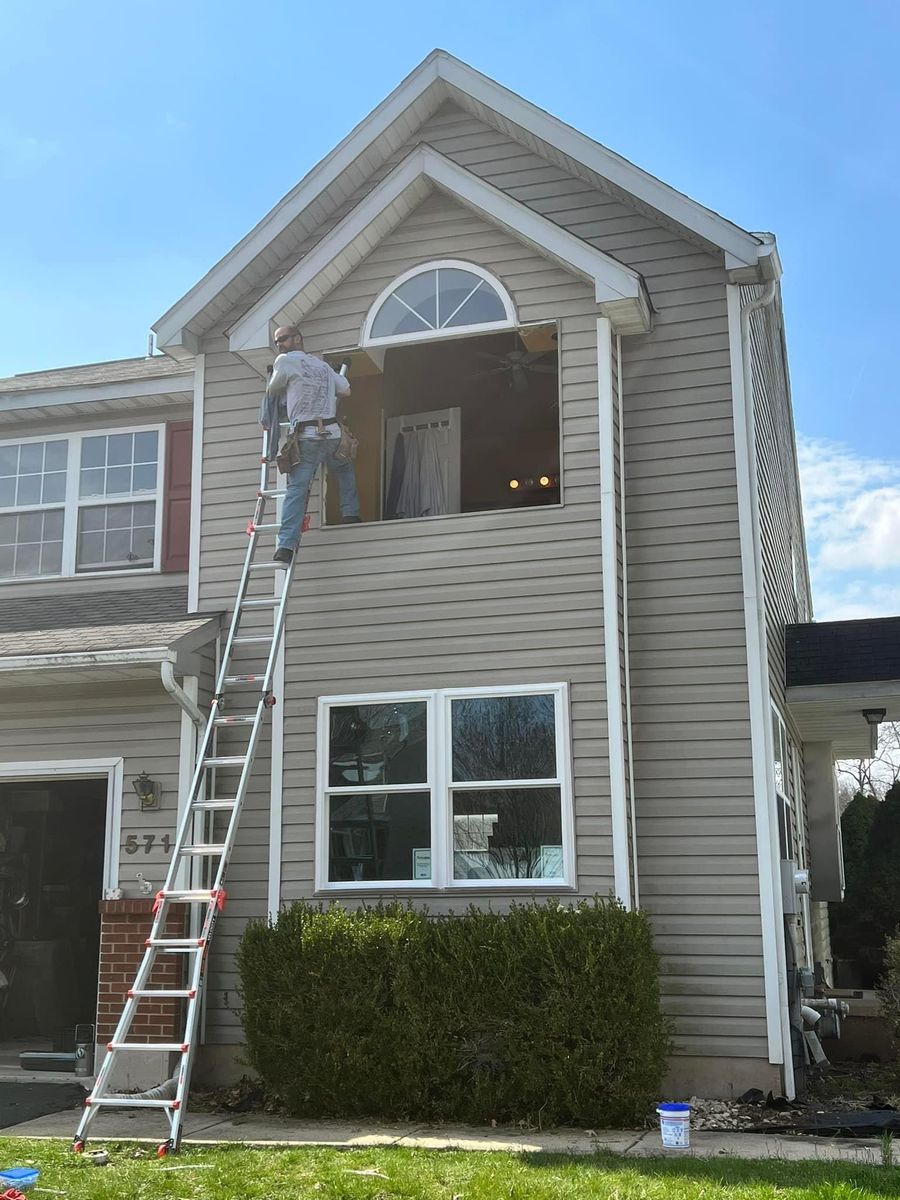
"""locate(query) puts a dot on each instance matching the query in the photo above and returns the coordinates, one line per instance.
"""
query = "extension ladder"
(196, 844)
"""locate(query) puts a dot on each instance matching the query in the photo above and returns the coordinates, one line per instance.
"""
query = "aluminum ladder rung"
(163, 1047)
(162, 994)
(189, 895)
(115, 1101)
(177, 945)
(188, 981)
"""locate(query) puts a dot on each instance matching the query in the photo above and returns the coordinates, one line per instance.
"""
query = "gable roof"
(619, 290)
(441, 77)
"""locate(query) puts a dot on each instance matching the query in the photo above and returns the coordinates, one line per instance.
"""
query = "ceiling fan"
(517, 365)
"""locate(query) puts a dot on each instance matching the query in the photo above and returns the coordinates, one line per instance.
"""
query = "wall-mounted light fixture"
(874, 716)
(147, 790)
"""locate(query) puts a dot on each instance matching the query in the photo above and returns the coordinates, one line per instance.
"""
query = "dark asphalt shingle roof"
(75, 624)
(117, 371)
(842, 651)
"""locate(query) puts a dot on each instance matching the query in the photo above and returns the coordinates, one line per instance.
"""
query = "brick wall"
(124, 927)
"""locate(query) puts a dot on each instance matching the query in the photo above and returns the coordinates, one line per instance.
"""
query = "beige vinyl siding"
(695, 831)
(135, 722)
(456, 601)
(785, 573)
(780, 514)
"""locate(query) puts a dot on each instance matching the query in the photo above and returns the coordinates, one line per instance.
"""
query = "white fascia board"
(644, 186)
(90, 392)
(90, 658)
(613, 282)
(324, 173)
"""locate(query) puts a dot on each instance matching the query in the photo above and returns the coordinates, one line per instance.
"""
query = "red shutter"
(177, 499)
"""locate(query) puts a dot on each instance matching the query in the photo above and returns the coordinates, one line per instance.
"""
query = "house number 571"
(147, 841)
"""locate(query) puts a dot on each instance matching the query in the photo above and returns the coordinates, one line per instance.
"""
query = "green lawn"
(234, 1172)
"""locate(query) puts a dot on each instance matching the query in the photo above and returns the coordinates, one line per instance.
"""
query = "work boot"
(283, 555)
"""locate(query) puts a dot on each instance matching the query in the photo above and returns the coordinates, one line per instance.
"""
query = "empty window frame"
(80, 503)
(456, 425)
(452, 789)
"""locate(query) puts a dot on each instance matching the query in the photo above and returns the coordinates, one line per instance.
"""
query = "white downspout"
(767, 824)
(627, 653)
(179, 695)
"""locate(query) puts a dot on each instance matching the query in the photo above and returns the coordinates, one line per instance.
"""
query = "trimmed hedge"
(547, 1014)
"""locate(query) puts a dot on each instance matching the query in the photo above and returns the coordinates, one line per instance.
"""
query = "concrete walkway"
(206, 1129)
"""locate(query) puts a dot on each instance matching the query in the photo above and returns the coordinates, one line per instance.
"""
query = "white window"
(439, 299)
(81, 503)
(784, 787)
(449, 789)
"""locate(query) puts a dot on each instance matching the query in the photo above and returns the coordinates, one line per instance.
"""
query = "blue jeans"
(313, 452)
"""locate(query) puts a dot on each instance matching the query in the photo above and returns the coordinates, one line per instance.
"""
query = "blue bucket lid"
(673, 1109)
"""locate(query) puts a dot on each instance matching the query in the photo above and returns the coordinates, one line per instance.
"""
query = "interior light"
(514, 483)
(544, 481)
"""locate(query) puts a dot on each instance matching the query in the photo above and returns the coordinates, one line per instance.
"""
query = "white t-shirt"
(312, 389)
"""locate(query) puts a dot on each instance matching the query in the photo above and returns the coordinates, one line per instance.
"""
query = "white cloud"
(852, 513)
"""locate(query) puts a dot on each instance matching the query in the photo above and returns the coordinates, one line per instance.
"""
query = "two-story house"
(550, 659)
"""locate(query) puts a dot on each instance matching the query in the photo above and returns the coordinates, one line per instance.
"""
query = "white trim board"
(77, 768)
(196, 485)
(618, 289)
(609, 544)
(437, 77)
(771, 917)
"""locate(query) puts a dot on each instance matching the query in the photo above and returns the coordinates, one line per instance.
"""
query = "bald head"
(288, 337)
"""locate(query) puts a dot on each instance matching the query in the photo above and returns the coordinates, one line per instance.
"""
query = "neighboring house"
(549, 662)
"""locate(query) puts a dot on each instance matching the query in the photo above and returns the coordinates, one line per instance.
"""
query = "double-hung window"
(458, 788)
(80, 503)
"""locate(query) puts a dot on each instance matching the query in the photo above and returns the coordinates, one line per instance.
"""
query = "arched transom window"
(441, 296)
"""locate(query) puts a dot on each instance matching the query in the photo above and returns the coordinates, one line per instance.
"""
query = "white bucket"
(675, 1125)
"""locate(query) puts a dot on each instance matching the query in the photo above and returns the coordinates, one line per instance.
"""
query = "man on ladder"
(311, 389)
(242, 697)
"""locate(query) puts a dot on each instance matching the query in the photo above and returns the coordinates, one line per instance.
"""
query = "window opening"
(455, 425)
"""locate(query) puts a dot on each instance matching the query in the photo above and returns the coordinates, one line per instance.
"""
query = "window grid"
(70, 504)
(439, 757)
(425, 308)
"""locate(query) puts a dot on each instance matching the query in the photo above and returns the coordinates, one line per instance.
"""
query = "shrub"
(888, 987)
(546, 1013)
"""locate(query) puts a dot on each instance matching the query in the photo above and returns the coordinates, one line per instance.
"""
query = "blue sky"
(138, 144)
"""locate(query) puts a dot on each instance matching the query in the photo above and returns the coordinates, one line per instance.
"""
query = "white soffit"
(439, 77)
(619, 291)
